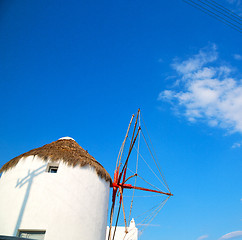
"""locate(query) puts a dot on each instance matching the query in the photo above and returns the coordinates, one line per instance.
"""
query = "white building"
(55, 192)
(121, 234)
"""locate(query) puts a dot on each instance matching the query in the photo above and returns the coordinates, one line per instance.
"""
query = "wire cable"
(157, 163)
(214, 15)
(157, 205)
(208, 4)
(155, 214)
(151, 169)
(152, 215)
(137, 162)
(146, 181)
(226, 10)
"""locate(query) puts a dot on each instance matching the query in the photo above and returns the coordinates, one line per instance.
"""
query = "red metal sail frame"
(117, 184)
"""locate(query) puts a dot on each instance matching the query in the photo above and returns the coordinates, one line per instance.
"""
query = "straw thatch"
(66, 150)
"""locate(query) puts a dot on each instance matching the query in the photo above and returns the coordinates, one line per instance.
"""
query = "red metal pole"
(129, 186)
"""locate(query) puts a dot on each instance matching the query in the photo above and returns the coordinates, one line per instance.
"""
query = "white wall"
(120, 232)
(70, 204)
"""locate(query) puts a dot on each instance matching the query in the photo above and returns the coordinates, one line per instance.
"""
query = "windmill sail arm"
(129, 186)
(123, 172)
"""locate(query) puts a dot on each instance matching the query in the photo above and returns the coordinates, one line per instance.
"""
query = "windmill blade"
(111, 220)
(116, 224)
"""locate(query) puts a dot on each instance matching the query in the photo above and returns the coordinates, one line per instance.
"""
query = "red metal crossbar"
(129, 186)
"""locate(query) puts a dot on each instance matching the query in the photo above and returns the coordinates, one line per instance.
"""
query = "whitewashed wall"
(120, 232)
(70, 204)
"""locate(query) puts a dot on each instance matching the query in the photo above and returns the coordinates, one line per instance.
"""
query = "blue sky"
(81, 68)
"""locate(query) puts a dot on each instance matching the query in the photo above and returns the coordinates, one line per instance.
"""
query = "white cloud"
(236, 145)
(237, 57)
(232, 235)
(202, 237)
(197, 61)
(207, 91)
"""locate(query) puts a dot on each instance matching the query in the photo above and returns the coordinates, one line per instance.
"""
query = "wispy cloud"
(206, 91)
(232, 235)
(237, 145)
(237, 57)
(150, 225)
(202, 237)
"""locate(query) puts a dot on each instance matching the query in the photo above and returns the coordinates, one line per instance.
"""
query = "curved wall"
(70, 204)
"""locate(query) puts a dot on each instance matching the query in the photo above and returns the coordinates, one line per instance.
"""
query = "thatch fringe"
(66, 150)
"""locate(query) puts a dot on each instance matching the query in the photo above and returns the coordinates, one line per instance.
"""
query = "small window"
(52, 167)
(32, 234)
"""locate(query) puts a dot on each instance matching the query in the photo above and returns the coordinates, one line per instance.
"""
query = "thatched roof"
(66, 150)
